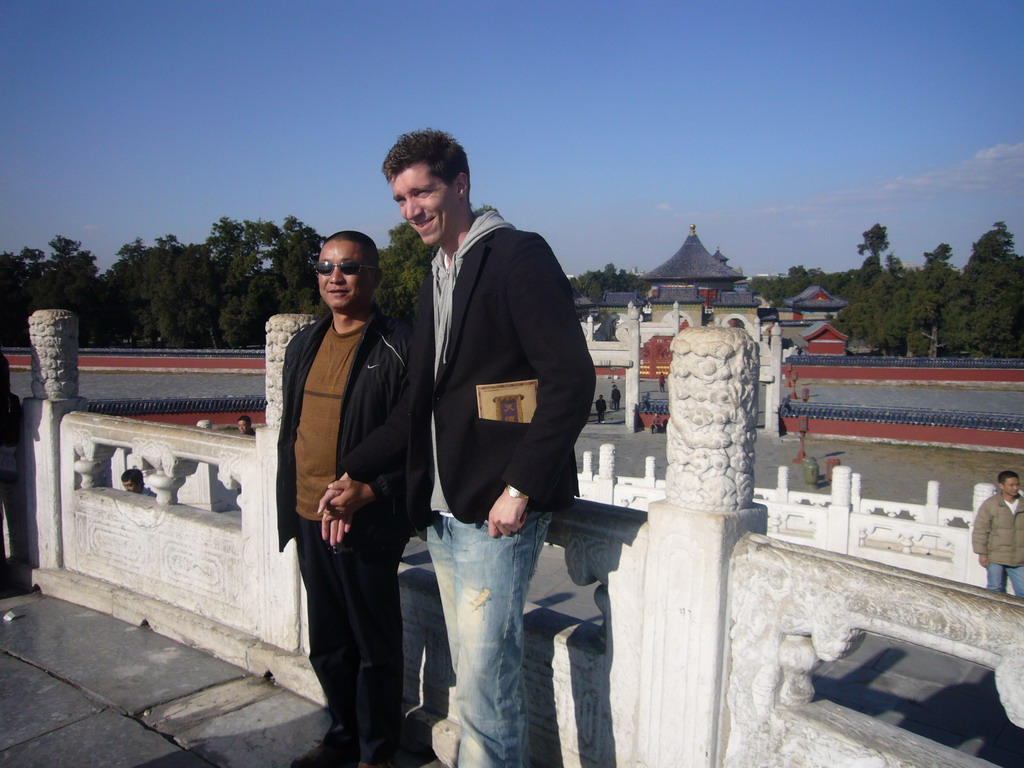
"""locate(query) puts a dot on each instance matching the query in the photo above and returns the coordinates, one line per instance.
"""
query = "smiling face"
(349, 297)
(439, 212)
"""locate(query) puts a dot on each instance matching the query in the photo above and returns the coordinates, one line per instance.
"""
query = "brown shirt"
(316, 441)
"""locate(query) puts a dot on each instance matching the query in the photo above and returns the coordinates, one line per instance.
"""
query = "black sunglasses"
(347, 267)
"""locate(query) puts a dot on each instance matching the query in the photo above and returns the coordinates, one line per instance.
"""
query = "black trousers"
(355, 641)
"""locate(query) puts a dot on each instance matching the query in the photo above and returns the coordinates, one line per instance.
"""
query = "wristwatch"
(515, 494)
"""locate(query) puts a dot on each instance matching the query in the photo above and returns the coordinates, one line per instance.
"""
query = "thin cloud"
(996, 169)
(663, 207)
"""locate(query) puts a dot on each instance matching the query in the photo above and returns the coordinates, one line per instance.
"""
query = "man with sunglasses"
(342, 377)
(500, 385)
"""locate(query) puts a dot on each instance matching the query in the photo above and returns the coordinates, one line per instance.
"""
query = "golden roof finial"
(693, 229)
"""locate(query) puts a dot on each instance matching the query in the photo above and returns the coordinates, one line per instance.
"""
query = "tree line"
(214, 294)
(934, 310)
(220, 292)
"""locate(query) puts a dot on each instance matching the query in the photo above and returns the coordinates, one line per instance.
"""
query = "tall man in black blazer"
(500, 385)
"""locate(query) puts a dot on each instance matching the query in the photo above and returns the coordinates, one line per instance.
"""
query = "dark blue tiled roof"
(693, 263)
(684, 294)
(178, 405)
(925, 417)
(737, 299)
(621, 298)
(805, 300)
(910, 362)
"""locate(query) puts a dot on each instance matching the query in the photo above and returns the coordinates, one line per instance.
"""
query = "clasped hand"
(338, 507)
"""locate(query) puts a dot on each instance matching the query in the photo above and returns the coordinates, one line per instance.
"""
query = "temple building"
(814, 303)
(694, 272)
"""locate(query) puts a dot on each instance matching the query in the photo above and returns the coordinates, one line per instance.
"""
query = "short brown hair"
(443, 155)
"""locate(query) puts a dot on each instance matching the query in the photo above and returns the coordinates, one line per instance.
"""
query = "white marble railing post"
(839, 510)
(649, 477)
(855, 492)
(588, 466)
(982, 492)
(631, 393)
(709, 507)
(36, 539)
(782, 486)
(930, 513)
(275, 576)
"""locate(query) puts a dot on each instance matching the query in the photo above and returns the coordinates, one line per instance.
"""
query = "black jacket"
(375, 385)
(513, 318)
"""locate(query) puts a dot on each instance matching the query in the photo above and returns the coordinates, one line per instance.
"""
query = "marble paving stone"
(266, 734)
(105, 739)
(926, 664)
(119, 664)
(33, 703)
(191, 711)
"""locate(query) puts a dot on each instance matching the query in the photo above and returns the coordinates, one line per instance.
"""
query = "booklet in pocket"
(512, 401)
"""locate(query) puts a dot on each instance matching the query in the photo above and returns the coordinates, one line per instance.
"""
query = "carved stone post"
(782, 486)
(280, 330)
(604, 483)
(931, 504)
(649, 478)
(632, 383)
(54, 337)
(982, 492)
(855, 492)
(275, 579)
(710, 483)
(773, 392)
(839, 510)
(36, 539)
(588, 466)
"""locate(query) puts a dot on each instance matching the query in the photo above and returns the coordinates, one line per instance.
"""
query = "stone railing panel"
(783, 591)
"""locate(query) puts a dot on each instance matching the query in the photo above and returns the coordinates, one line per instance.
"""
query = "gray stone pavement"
(82, 690)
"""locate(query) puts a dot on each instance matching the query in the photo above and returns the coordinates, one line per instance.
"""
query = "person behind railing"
(998, 535)
(245, 425)
(133, 482)
(342, 377)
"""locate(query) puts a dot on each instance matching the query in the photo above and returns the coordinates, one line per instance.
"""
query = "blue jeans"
(483, 584)
(997, 575)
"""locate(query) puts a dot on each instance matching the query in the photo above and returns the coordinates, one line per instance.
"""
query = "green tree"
(934, 291)
(68, 279)
(127, 310)
(291, 262)
(404, 264)
(876, 242)
(16, 273)
(994, 315)
(594, 283)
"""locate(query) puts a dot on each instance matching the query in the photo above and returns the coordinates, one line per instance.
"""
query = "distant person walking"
(661, 382)
(616, 397)
(998, 536)
(600, 406)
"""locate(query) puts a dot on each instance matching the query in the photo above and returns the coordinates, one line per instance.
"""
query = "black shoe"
(322, 756)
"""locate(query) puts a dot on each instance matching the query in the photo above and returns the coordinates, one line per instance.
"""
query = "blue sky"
(782, 130)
